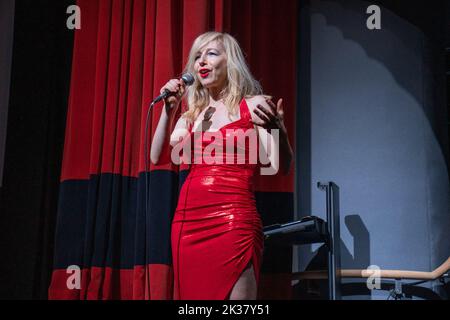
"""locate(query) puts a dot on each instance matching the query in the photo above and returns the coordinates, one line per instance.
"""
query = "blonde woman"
(217, 239)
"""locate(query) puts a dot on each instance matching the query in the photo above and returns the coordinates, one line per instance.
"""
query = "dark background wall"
(35, 135)
(373, 119)
(6, 41)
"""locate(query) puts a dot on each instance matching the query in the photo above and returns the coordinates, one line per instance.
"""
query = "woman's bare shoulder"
(182, 122)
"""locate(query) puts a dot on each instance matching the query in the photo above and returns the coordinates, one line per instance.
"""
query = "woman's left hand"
(272, 118)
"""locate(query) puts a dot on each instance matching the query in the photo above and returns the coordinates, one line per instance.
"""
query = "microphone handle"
(162, 96)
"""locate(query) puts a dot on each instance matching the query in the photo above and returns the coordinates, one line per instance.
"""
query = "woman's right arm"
(171, 103)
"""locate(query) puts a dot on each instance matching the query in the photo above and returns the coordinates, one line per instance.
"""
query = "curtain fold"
(125, 51)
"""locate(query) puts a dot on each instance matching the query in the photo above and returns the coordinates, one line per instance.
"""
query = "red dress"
(216, 229)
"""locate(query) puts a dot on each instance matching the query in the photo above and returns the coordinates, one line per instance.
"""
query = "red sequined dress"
(216, 229)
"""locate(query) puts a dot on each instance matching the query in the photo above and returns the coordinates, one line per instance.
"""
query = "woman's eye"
(213, 53)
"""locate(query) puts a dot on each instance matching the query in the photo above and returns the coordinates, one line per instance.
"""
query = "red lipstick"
(204, 72)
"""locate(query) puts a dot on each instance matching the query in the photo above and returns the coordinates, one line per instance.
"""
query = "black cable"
(441, 278)
(418, 282)
(147, 177)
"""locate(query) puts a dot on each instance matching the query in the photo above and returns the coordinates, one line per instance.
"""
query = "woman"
(217, 238)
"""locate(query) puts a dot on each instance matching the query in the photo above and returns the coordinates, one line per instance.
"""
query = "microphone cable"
(188, 80)
(146, 197)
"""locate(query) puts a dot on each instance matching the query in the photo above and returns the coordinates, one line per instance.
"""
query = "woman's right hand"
(178, 87)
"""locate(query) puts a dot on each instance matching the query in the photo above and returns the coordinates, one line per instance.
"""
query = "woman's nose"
(202, 59)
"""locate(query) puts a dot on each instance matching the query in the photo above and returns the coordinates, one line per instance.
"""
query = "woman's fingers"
(177, 88)
(273, 118)
(280, 110)
(269, 114)
(173, 85)
(272, 106)
(280, 105)
(261, 115)
(276, 109)
(259, 124)
(182, 87)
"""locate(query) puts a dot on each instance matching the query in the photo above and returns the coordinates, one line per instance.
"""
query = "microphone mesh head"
(188, 78)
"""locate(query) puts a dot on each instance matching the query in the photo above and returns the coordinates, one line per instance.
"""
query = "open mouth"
(204, 73)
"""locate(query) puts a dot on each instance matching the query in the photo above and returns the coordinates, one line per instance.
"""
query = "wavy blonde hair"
(240, 82)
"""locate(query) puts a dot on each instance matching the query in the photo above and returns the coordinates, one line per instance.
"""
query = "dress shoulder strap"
(245, 111)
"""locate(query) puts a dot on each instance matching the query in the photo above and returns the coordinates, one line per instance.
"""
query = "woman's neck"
(216, 95)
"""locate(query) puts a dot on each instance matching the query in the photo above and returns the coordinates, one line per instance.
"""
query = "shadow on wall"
(318, 289)
(405, 136)
(394, 33)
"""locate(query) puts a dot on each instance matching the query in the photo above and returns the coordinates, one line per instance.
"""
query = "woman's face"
(211, 65)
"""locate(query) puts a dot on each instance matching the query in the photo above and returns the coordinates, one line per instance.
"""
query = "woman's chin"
(212, 85)
(207, 83)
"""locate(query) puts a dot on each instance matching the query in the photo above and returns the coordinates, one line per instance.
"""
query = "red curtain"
(125, 51)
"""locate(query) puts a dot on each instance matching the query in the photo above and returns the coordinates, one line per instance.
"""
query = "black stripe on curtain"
(101, 227)
(101, 222)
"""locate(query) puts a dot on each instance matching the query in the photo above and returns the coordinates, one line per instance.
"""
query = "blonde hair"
(240, 82)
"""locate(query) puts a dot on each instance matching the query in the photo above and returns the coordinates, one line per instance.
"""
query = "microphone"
(187, 78)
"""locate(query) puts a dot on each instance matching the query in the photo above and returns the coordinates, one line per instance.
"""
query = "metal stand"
(312, 229)
(333, 241)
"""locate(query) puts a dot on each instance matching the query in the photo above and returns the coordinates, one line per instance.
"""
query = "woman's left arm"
(271, 117)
